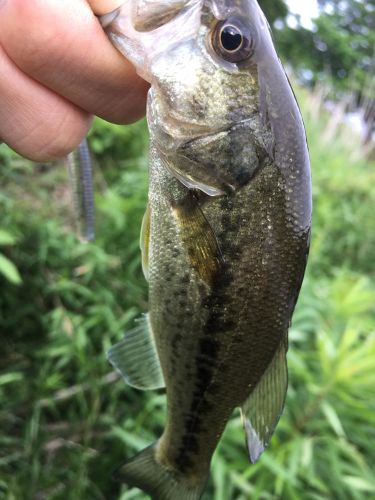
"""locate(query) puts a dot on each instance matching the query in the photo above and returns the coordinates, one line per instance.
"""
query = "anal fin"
(263, 408)
(136, 358)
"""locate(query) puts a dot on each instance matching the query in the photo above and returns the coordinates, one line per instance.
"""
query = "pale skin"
(58, 70)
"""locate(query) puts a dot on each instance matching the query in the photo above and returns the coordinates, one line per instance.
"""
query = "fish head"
(216, 85)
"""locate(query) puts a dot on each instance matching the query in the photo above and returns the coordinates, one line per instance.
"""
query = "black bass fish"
(225, 236)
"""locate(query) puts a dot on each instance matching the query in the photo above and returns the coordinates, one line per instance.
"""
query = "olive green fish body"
(215, 342)
(225, 237)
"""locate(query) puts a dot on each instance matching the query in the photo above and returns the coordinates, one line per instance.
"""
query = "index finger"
(62, 46)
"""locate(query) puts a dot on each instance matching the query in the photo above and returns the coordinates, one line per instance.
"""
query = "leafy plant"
(7, 268)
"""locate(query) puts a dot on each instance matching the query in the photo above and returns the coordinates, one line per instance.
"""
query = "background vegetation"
(66, 420)
(338, 48)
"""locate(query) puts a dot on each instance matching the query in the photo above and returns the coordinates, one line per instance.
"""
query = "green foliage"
(55, 328)
(6, 156)
(115, 144)
(66, 421)
(7, 268)
(347, 29)
(340, 45)
(274, 9)
(343, 224)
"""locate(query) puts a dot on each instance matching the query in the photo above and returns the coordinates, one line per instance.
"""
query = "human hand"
(57, 69)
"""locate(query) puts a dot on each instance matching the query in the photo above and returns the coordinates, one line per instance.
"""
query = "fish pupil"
(231, 38)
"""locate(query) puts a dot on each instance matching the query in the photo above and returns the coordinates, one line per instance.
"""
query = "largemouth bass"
(225, 236)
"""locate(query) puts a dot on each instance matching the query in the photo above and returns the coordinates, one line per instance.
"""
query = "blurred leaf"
(333, 418)
(9, 378)
(6, 238)
(360, 484)
(9, 270)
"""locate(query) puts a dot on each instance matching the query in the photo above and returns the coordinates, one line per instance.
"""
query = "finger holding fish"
(35, 121)
(57, 69)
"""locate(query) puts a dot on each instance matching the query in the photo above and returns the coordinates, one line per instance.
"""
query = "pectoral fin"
(262, 410)
(199, 239)
(145, 240)
(136, 358)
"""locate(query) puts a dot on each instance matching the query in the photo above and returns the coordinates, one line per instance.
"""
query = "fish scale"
(225, 237)
(252, 314)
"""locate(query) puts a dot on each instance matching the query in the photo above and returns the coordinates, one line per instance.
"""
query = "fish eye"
(232, 40)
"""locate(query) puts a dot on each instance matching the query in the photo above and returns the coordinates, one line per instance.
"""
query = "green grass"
(66, 421)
